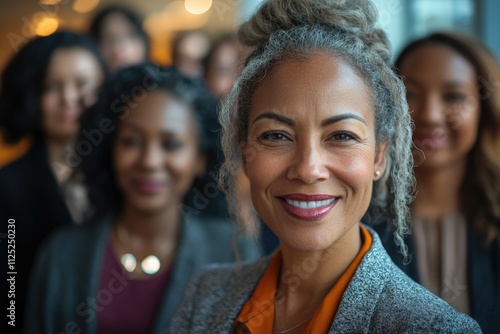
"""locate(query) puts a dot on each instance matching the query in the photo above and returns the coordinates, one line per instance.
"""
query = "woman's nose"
(309, 164)
(152, 157)
(70, 95)
(430, 110)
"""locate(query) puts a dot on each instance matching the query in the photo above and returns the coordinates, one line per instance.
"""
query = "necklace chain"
(291, 328)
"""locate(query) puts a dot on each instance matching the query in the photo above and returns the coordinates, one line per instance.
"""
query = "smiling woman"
(137, 175)
(45, 89)
(319, 123)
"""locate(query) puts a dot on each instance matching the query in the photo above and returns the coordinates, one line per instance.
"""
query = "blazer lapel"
(243, 284)
(358, 302)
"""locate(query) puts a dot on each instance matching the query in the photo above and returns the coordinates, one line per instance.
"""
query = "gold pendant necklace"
(150, 265)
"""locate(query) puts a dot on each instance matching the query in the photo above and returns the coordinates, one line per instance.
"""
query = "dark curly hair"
(22, 82)
(137, 80)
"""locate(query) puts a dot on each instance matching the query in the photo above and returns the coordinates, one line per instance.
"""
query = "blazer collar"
(363, 292)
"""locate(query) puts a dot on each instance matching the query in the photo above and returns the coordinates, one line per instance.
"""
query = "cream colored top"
(441, 249)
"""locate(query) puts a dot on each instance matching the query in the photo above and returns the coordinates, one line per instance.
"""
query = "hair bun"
(357, 17)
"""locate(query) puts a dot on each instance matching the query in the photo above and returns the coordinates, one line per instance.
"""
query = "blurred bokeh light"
(197, 6)
(46, 26)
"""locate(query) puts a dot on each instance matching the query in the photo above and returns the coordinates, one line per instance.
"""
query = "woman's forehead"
(322, 83)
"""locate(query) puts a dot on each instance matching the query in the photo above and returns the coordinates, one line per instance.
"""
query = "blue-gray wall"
(490, 25)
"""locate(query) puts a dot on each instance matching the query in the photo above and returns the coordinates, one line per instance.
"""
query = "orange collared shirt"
(257, 315)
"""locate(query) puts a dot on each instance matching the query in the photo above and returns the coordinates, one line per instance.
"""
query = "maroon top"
(128, 305)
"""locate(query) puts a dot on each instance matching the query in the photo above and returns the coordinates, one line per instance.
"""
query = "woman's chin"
(306, 242)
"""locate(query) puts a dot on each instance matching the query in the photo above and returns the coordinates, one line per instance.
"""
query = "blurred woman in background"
(222, 64)
(122, 40)
(45, 89)
(453, 91)
(189, 48)
(143, 244)
(221, 67)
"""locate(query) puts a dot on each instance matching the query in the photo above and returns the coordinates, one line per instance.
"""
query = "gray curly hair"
(346, 29)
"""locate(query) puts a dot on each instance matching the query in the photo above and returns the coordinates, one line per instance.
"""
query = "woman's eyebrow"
(133, 127)
(275, 116)
(341, 117)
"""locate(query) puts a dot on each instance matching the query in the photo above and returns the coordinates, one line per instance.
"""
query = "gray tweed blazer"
(379, 299)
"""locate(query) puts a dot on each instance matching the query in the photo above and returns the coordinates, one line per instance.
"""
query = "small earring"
(377, 173)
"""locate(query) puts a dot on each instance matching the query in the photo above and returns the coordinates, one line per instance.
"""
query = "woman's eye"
(82, 83)
(172, 145)
(273, 136)
(52, 87)
(131, 142)
(454, 97)
(343, 136)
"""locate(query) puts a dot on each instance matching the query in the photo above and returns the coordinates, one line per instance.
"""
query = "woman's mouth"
(148, 187)
(428, 142)
(308, 207)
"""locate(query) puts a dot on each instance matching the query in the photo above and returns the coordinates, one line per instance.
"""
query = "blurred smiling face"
(442, 95)
(311, 153)
(156, 154)
(70, 85)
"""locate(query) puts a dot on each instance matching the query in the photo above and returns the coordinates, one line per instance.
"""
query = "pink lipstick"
(149, 187)
(308, 207)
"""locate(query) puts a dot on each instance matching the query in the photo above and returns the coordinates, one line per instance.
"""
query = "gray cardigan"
(67, 271)
(379, 299)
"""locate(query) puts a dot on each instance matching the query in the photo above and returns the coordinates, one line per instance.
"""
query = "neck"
(306, 278)
(438, 191)
(56, 149)
(164, 225)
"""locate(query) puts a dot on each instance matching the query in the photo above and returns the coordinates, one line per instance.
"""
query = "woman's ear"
(380, 160)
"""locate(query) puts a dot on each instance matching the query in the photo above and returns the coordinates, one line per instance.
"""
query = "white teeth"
(310, 204)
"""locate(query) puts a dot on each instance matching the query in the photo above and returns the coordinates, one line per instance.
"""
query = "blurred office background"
(402, 19)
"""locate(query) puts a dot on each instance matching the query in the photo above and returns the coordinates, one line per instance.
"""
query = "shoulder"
(69, 241)
(405, 302)
(12, 152)
(215, 295)
(29, 171)
(393, 302)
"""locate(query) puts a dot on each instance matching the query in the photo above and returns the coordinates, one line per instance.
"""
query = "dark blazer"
(68, 269)
(483, 270)
(30, 194)
(379, 299)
